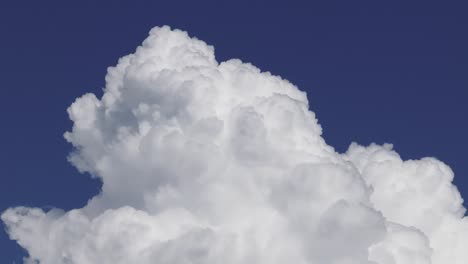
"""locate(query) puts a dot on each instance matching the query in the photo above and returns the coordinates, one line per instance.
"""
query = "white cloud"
(207, 162)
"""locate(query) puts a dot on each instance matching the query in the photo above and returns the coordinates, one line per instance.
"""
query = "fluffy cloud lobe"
(206, 162)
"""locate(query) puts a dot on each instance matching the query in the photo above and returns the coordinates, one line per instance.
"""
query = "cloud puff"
(207, 162)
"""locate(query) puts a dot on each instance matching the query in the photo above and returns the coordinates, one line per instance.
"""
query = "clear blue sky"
(374, 71)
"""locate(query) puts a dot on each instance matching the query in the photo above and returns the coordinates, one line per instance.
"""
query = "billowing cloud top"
(206, 162)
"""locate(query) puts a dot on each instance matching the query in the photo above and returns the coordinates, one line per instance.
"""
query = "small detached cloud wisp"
(205, 163)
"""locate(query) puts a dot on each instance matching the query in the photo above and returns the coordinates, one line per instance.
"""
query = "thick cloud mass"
(206, 162)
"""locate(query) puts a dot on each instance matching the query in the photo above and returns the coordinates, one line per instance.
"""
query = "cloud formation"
(206, 163)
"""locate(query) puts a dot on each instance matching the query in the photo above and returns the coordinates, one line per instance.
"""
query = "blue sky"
(373, 72)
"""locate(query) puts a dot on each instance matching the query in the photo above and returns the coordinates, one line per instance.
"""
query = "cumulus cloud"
(208, 162)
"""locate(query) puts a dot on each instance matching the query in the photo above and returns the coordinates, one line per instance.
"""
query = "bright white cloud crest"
(206, 162)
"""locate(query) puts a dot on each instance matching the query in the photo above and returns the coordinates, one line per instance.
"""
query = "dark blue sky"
(374, 71)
